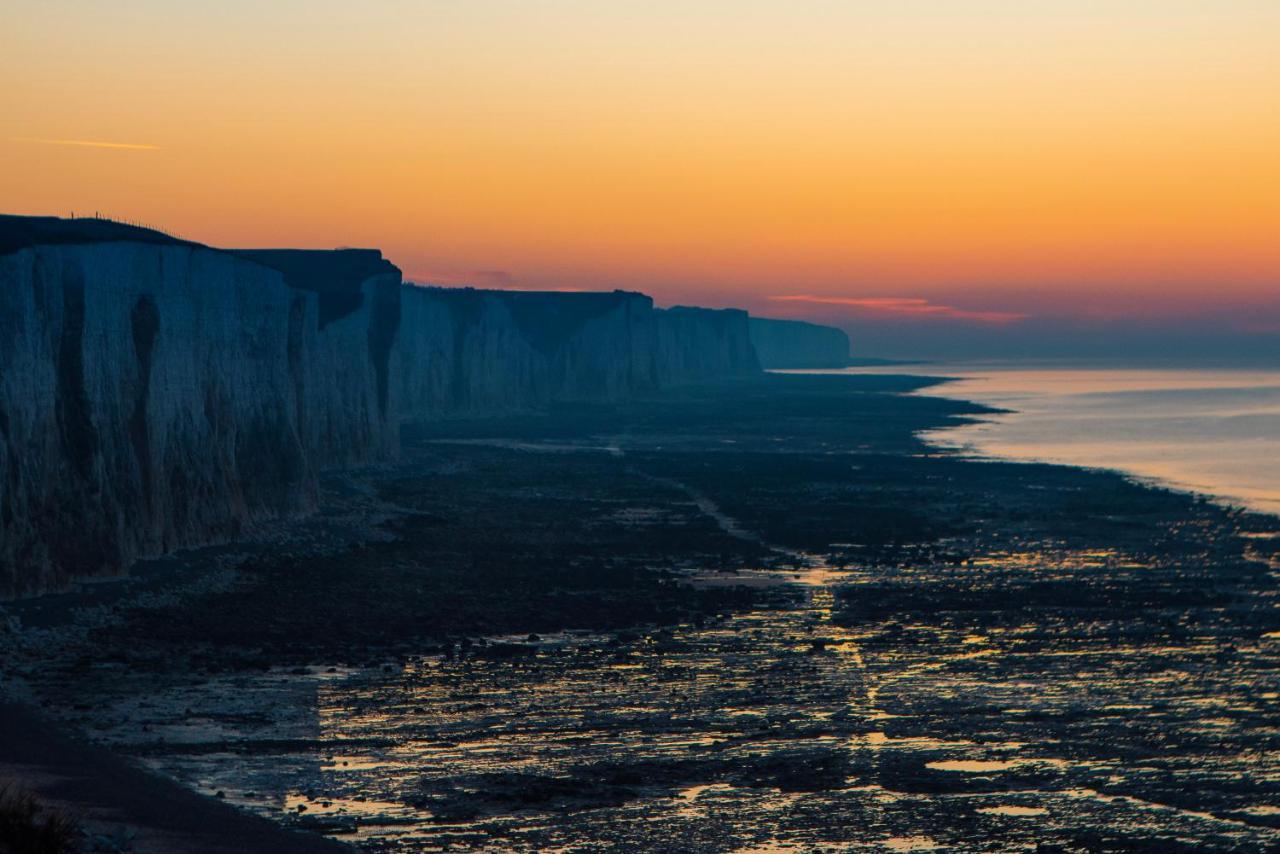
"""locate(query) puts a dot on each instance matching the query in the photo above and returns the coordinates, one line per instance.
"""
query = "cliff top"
(697, 309)
(796, 324)
(320, 270)
(22, 232)
(548, 318)
(326, 271)
(612, 296)
(335, 274)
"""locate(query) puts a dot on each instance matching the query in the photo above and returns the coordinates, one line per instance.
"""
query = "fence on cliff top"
(117, 220)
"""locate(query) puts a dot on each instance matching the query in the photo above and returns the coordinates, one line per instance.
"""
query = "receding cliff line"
(157, 394)
(797, 344)
(473, 351)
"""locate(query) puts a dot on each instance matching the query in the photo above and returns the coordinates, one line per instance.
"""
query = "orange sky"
(1028, 158)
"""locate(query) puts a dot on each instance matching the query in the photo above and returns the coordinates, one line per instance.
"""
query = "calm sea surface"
(1212, 431)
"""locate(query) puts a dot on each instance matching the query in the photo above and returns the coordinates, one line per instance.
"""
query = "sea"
(1212, 431)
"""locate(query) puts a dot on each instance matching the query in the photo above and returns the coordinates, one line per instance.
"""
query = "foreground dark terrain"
(758, 617)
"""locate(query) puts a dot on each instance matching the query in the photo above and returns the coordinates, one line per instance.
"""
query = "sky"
(940, 177)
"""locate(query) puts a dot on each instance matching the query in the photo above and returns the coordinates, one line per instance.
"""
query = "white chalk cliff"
(798, 344)
(157, 394)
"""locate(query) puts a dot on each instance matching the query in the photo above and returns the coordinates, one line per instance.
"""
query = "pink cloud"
(907, 307)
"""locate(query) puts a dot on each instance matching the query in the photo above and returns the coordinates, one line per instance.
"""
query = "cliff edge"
(797, 344)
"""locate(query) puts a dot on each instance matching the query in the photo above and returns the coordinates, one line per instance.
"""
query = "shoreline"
(1198, 493)
(951, 439)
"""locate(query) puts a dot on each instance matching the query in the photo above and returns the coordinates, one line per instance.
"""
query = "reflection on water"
(910, 843)
(972, 766)
(1216, 432)
(1013, 810)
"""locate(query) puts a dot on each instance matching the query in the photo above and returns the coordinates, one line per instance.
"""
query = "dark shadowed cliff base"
(756, 616)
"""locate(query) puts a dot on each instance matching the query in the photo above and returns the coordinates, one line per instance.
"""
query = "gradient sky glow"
(967, 167)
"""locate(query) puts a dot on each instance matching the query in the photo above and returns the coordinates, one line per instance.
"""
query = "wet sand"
(757, 618)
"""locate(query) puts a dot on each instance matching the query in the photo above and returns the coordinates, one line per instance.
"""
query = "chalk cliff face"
(345, 321)
(466, 351)
(156, 394)
(160, 395)
(700, 344)
(469, 351)
(796, 344)
(146, 402)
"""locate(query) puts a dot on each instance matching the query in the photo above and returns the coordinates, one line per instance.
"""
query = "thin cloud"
(907, 307)
(88, 143)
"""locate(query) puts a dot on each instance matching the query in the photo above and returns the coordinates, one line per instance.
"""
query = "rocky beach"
(749, 616)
